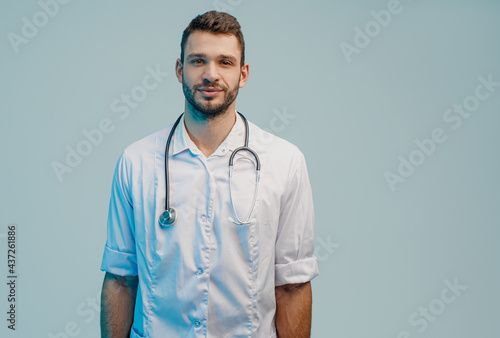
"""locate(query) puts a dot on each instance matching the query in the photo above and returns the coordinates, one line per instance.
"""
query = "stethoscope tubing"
(167, 194)
(170, 217)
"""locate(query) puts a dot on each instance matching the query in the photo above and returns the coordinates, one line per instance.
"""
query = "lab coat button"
(203, 219)
(199, 272)
(197, 323)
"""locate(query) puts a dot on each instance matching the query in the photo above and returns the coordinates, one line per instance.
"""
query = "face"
(211, 74)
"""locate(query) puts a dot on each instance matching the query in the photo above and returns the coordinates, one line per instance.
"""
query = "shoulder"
(146, 147)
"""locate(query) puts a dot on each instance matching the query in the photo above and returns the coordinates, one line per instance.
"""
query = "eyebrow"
(202, 55)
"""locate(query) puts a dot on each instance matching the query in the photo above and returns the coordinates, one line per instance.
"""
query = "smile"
(210, 91)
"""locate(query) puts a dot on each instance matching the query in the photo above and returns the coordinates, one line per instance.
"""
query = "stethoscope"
(168, 216)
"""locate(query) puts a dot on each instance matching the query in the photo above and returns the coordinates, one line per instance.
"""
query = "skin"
(117, 305)
(211, 62)
(293, 310)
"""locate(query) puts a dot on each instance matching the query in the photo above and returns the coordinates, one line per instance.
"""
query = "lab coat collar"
(236, 138)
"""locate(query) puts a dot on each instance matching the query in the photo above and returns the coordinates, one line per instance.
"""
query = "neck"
(209, 133)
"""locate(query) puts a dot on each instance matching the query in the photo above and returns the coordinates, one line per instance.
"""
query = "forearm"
(293, 310)
(117, 305)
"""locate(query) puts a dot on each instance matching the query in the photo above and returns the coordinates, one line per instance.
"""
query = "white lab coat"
(204, 276)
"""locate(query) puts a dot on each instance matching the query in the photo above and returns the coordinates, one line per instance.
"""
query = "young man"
(209, 273)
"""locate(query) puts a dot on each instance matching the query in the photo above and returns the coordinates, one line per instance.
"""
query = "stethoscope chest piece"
(167, 217)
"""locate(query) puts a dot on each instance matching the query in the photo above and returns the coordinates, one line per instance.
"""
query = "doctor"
(204, 275)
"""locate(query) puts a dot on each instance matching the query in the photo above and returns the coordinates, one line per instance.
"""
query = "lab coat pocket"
(248, 238)
(248, 235)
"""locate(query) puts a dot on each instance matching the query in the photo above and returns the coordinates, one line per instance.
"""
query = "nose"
(210, 73)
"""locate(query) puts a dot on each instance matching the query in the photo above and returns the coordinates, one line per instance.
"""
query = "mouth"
(208, 91)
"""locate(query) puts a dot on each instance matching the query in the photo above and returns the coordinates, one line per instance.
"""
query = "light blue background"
(389, 253)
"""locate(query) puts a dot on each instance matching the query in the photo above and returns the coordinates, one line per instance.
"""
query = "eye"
(196, 61)
(227, 63)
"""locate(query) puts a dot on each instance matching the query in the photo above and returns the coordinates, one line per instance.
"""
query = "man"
(208, 275)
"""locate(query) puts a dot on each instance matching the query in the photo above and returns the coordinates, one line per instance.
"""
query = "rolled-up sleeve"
(119, 252)
(295, 260)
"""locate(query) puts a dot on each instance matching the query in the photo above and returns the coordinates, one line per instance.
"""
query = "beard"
(206, 108)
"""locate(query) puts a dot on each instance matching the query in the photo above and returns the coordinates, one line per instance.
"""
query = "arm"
(293, 310)
(117, 305)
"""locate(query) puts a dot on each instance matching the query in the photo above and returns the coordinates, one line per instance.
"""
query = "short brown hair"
(216, 23)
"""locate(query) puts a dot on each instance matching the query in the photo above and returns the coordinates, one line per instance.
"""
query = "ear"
(244, 74)
(178, 70)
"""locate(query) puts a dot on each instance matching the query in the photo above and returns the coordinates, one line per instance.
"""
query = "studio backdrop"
(395, 105)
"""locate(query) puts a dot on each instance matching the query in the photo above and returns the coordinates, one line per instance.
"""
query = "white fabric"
(204, 276)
